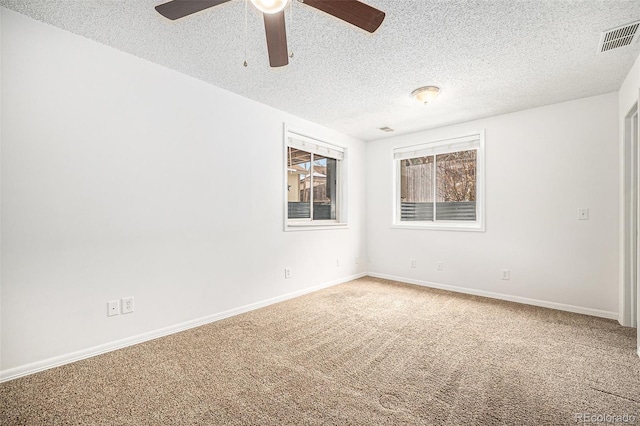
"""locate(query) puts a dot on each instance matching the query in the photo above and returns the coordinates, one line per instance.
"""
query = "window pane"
(416, 188)
(456, 182)
(299, 184)
(324, 188)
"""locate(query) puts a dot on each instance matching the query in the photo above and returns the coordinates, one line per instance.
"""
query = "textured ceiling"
(489, 57)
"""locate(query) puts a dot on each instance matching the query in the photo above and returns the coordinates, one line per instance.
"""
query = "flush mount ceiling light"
(425, 94)
(270, 6)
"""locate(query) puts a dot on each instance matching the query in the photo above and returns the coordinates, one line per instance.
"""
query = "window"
(314, 187)
(440, 185)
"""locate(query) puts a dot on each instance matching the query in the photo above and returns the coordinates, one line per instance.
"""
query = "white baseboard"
(518, 299)
(14, 373)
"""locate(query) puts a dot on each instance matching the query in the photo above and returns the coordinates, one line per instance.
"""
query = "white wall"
(123, 178)
(541, 166)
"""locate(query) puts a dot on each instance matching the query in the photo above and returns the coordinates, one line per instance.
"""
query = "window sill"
(314, 226)
(448, 226)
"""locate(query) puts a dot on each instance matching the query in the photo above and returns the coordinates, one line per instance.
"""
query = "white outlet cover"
(127, 305)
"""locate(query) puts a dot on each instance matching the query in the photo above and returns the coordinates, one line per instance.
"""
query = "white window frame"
(298, 140)
(465, 142)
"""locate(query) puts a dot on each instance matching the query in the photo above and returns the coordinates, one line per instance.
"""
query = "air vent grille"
(619, 37)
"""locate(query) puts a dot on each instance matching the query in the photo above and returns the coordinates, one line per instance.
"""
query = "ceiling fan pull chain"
(246, 64)
(291, 26)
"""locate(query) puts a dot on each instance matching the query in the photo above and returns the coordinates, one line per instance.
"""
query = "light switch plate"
(583, 214)
(113, 308)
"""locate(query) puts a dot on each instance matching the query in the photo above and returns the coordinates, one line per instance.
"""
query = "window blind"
(314, 146)
(464, 143)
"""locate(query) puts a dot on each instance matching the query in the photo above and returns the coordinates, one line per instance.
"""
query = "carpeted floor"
(368, 352)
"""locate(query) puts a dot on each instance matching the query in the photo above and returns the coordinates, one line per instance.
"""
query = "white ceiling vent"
(619, 37)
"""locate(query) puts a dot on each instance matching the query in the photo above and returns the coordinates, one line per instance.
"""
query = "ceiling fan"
(352, 11)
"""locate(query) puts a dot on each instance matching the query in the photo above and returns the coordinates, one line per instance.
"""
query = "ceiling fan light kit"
(270, 6)
(353, 12)
(425, 94)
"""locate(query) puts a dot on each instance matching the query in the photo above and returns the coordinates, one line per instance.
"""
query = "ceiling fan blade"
(276, 39)
(180, 8)
(352, 11)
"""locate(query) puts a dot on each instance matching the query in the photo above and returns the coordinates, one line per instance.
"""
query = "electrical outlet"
(287, 273)
(127, 305)
(113, 308)
(357, 260)
(505, 274)
(368, 259)
(440, 265)
(412, 262)
(338, 262)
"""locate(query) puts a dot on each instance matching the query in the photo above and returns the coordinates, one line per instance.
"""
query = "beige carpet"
(369, 352)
